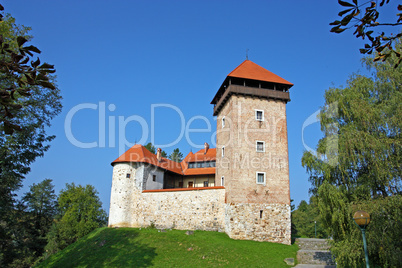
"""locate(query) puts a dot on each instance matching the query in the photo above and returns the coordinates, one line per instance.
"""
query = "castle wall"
(185, 210)
(259, 222)
(123, 190)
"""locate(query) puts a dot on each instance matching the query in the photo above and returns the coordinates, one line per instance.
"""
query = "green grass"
(130, 247)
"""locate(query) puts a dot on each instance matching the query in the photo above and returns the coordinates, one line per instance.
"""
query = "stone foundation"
(259, 222)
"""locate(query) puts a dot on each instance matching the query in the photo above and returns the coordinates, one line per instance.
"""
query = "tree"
(176, 155)
(29, 114)
(366, 21)
(150, 147)
(366, 129)
(358, 162)
(41, 207)
(306, 220)
(80, 212)
(19, 77)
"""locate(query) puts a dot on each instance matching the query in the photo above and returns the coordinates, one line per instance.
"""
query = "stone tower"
(252, 153)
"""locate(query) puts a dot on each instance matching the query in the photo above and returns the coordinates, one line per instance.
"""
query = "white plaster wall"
(150, 184)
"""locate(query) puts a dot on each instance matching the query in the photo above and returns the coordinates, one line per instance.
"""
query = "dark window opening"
(128, 175)
(259, 115)
(154, 178)
(260, 146)
(205, 164)
(260, 214)
(205, 183)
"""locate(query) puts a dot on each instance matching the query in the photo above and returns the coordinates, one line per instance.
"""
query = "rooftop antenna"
(247, 54)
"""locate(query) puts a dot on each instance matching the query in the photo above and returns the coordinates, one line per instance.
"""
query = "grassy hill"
(130, 247)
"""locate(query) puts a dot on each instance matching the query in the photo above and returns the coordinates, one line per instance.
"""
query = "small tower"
(252, 153)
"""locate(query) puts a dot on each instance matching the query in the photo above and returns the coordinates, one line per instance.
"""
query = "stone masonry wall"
(259, 222)
(192, 209)
(184, 210)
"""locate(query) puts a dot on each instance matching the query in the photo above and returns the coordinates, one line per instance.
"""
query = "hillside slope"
(130, 247)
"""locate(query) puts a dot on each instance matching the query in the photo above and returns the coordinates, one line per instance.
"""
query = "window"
(128, 175)
(205, 183)
(223, 151)
(205, 164)
(260, 177)
(260, 146)
(223, 181)
(259, 115)
(223, 122)
(190, 184)
(154, 178)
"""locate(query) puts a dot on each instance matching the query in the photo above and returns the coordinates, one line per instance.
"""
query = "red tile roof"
(199, 156)
(139, 154)
(249, 70)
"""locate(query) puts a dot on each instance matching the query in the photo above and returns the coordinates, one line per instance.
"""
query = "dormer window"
(259, 115)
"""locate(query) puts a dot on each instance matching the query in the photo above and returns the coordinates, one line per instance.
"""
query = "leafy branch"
(364, 17)
(19, 74)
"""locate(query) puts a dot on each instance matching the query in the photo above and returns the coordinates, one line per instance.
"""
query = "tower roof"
(253, 80)
(249, 70)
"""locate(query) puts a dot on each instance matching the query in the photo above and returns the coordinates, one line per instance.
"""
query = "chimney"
(159, 154)
(206, 147)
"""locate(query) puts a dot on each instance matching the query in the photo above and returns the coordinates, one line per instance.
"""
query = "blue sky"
(130, 55)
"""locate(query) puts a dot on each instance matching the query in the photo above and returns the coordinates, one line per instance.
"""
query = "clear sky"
(118, 59)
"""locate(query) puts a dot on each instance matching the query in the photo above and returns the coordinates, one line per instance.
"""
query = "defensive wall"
(192, 209)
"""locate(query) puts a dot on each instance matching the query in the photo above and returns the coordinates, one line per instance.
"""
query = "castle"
(241, 187)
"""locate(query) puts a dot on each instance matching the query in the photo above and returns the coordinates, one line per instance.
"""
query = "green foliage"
(80, 212)
(306, 221)
(29, 221)
(150, 147)
(364, 122)
(176, 155)
(18, 77)
(41, 208)
(29, 108)
(358, 164)
(130, 247)
(382, 234)
(364, 17)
